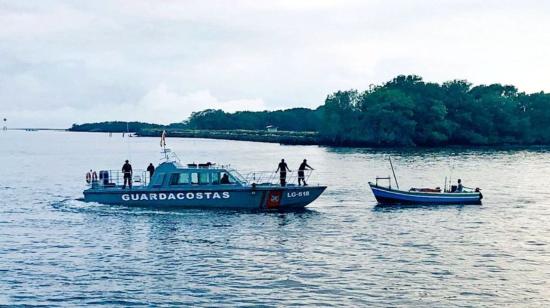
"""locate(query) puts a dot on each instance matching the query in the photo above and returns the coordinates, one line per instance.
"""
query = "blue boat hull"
(389, 196)
(269, 197)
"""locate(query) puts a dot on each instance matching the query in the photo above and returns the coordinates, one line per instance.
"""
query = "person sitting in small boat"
(459, 187)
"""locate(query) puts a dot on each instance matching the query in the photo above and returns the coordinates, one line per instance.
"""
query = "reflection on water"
(342, 250)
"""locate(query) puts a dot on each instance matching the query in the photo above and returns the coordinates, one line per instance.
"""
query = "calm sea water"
(343, 251)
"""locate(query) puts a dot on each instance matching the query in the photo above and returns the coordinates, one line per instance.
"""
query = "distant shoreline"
(308, 138)
(282, 137)
(37, 129)
(296, 138)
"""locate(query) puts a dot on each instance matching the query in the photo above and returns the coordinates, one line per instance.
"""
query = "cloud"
(165, 105)
(160, 105)
(158, 61)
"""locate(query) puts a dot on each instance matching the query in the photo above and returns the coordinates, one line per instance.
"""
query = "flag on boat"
(163, 139)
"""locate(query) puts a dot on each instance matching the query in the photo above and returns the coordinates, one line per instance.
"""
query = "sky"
(65, 62)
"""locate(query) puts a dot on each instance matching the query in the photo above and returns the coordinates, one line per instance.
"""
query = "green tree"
(387, 118)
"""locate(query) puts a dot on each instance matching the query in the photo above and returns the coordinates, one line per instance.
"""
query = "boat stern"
(292, 197)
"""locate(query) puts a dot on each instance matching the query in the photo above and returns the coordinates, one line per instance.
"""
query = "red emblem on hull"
(274, 199)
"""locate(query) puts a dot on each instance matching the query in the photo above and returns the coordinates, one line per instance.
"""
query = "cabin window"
(194, 178)
(158, 179)
(179, 178)
(215, 178)
(183, 179)
(174, 179)
(203, 178)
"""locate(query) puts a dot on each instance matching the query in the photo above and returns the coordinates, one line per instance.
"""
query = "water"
(343, 251)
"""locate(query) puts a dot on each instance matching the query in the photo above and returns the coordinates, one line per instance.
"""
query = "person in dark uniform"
(301, 173)
(225, 179)
(283, 167)
(151, 170)
(127, 171)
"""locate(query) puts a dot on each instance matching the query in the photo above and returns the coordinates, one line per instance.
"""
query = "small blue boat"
(390, 196)
(201, 186)
(422, 196)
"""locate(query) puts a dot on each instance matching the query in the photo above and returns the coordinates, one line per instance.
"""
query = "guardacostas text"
(175, 196)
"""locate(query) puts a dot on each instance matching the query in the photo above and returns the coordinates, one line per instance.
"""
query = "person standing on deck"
(301, 173)
(283, 167)
(127, 171)
(151, 170)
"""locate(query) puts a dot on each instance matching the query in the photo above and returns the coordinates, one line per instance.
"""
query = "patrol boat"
(201, 186)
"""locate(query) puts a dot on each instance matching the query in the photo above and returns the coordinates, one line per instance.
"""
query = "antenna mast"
(393, 171)
(166, 151)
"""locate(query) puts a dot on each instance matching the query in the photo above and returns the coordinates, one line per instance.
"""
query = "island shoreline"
(305, 139)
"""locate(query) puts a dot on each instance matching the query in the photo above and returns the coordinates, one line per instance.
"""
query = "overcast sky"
(64, 62)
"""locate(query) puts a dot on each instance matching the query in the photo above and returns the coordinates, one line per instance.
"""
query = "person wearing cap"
(301, 173)
(127, 171)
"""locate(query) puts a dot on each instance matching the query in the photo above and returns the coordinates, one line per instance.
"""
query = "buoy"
(88, 177)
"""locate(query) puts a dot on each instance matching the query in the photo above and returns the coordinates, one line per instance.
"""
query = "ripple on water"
(343, 251)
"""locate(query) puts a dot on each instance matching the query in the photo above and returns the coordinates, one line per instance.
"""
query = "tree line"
(295, 119)
(406, 111)
(114, 127)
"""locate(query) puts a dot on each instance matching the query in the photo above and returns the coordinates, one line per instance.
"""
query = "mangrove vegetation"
(405, 111)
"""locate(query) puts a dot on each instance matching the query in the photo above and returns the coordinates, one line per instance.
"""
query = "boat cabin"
(173, 174)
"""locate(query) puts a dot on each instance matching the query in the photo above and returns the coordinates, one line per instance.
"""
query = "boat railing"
(114, 178)
(385, 178)
(236, 174)
(140, 178)
(272, 177)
